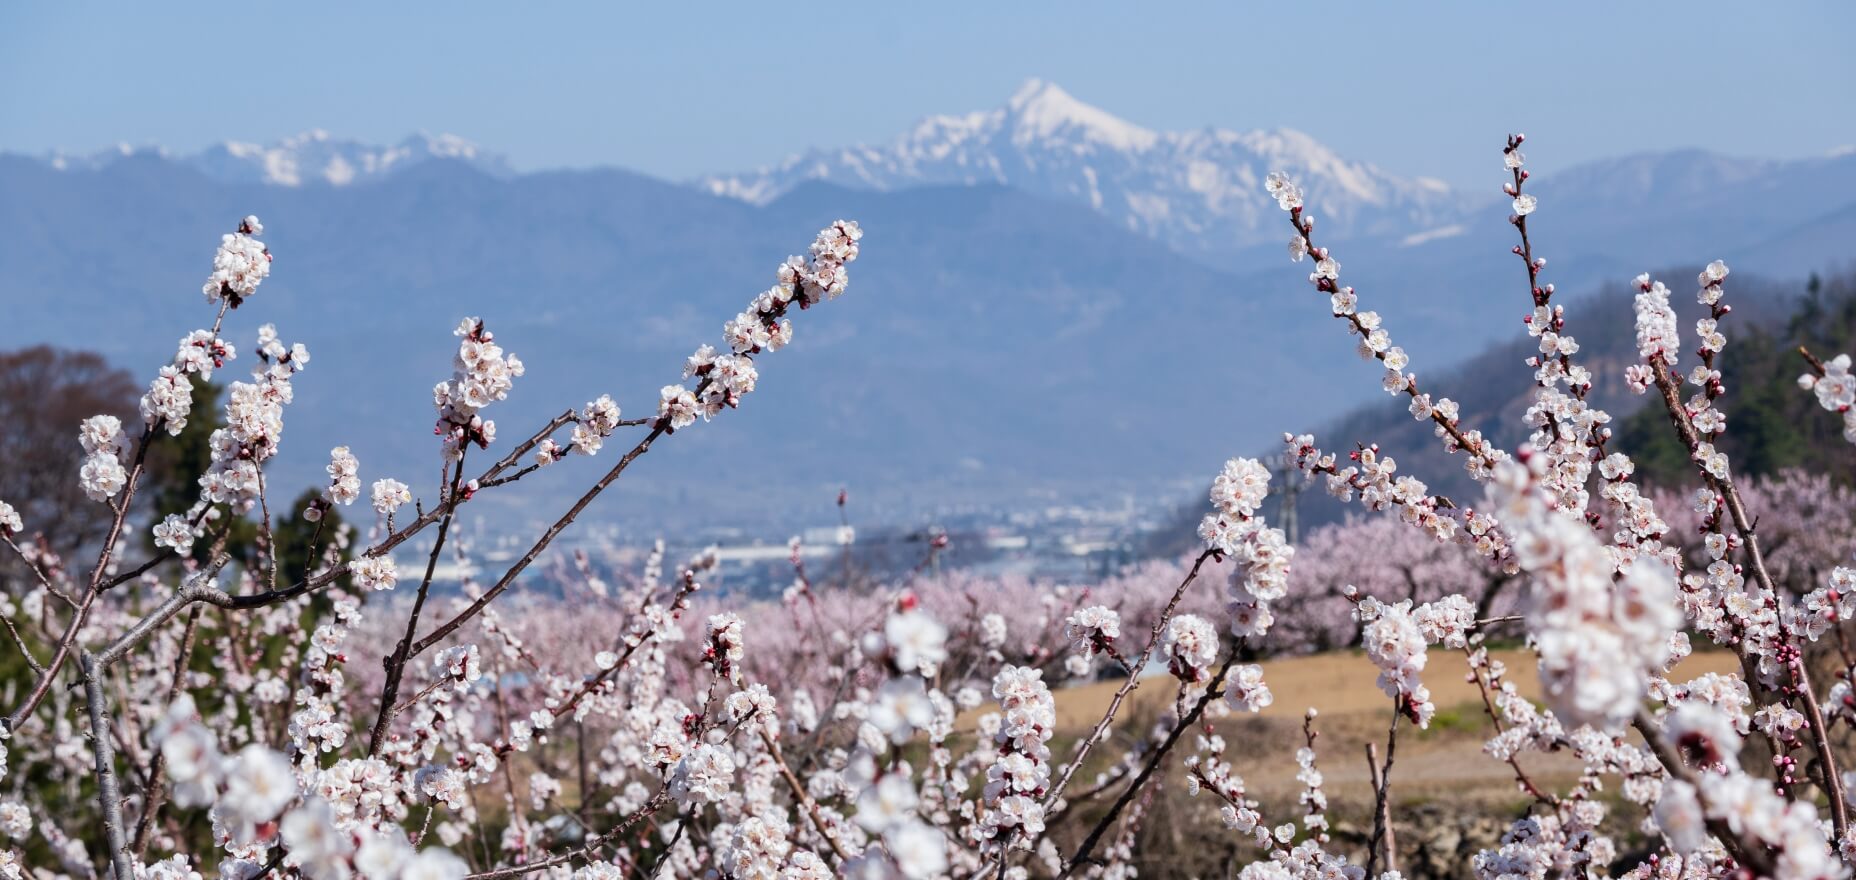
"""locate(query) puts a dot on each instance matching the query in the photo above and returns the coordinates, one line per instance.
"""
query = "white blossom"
(390, 495)
(240, 265)
(344, 476)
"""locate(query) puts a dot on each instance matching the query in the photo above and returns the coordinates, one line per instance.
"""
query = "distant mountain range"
(1053, 304)
(312, 158)
(1200, 191)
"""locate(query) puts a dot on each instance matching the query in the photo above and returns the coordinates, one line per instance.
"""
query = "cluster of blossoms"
(724, 650)
(596, 423)
(390, 495)
(1603, 624)
(169, 401)
(175, 533)
(1246, 689)
(1012, 815)
(1659, 337)
(1375, 479)
(1093, 629)
(1236, 529)
(1208, 771)
(102, 475)
(1824, 608)
(1707, 421)
(913, 640)
(481, 375)
(239, 266)
(375, 572)
(344, 476)
(254, 419)
(723, 379)
(1835, 389)
(1288, 197)
(1190, 646)
(1314, 798)
(1720, 792)
(1395, 644)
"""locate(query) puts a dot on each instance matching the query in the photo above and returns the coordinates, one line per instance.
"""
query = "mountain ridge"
(1199, 190)
(312, 157)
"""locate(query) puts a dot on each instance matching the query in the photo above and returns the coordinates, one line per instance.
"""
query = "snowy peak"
(312, 158)
(1042, 110)
(101, 158)
(1198, 191)
(315, 157)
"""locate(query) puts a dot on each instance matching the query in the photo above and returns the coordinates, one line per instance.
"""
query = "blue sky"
(675, 90)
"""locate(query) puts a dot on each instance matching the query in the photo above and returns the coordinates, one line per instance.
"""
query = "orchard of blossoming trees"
(179, 716)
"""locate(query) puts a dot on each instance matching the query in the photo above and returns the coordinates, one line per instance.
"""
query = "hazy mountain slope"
(1494, 389)
(992, 343)
(999, 342)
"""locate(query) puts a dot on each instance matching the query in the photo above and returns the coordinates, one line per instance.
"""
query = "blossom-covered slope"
(1200, 191)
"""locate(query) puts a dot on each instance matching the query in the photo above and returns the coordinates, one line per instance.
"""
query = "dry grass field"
(1444, 761)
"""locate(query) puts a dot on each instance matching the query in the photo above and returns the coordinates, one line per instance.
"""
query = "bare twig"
(154, 789)
(1132, 682)
(395, 663)
(567, 519)
(1212, 692)
(799, 793)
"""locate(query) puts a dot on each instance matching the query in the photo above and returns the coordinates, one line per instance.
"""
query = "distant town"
(1059, 542)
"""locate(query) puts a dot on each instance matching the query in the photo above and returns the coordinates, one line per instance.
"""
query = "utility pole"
(1288, 486)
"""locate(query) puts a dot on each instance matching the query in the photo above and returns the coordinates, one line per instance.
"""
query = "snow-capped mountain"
(311, 158)
(1199, 191)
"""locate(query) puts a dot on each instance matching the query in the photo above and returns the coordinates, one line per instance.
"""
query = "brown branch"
(109, 790)
(1381, 777)
(567, 519)
(1127, 687)
(154, 788)
(1329, 286)
(1743, 525)
(1749, 852)
(395, 663)
(24, 651)
(1212, 692)
(799, 793)
(68, 642)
